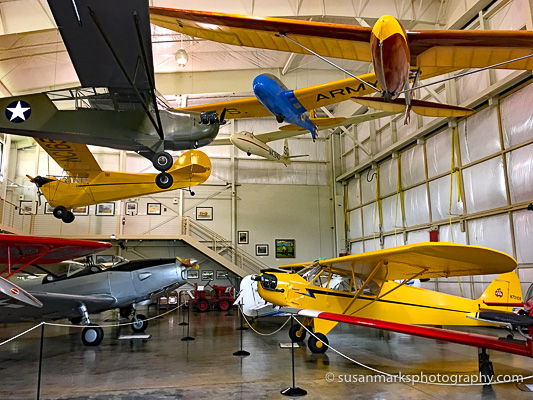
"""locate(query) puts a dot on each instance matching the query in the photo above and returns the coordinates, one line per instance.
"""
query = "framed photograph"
(26, 207)
(204, 213)
(208, 275)
(105, 209)
(222, 274)
(261, 250)
(243, 237)
(192, 274)
(48, 209)
(81, 210)
(131, 208)
(285, 248)
(153, 209)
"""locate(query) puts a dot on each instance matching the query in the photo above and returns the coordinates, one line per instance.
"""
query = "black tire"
(192, 193)
(92, 335)
(125, 312)
(60, 212)
(202, 305)
(162, 161)
(140, 324)
(296, 335)
(75, 320)
(280, 118)
(223, 305)
(68, 218)
(164, 180)
(318, 346)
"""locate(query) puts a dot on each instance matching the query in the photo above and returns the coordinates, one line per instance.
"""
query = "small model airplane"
(397, 55)
(88, 184)
(117, 106)
(25, 250)
(370, 297)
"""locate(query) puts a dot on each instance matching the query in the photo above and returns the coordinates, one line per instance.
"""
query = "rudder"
(504, 289)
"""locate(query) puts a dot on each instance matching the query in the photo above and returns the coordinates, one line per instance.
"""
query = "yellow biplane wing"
(425, 260)
(435, 51)
(75, 158)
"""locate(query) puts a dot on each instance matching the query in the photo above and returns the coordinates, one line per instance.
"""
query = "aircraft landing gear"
(280, 118)
(139, 323)
(297, 333)
(162, 161)
(62, 213)
(486, 370)
(317, 346)
(164, 180)
(92, 335)
(248, 153)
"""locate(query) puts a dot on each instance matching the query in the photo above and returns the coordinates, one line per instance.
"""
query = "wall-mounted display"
(81, 210)
(48, 209)
(285, 248)
(26, 207)
(204, 213)
(105, 209)
(261, 250)
(153, 209)
(222, 274)
(243, 237)
(208, 275)
(131, 208)
(192, 274)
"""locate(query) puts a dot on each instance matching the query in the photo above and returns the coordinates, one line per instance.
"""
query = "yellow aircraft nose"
(386, 26)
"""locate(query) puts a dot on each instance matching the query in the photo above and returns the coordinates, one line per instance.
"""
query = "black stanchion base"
(242, 328)
(183, 323)
(242, 353)
(187, 338)
(293, 392)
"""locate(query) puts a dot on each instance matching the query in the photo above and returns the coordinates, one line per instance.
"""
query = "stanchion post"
(242, 327)
(293, 391)
(188, 306)
(241, 352)
(187, 338)
(40, 362)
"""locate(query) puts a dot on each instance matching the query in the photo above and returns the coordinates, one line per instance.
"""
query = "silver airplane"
(94, 289)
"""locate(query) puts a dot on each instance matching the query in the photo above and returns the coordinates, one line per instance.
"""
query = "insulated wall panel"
(439, 191)
(439, 153)
(416, 206)
(388, 177)
(356, 225)
(392, 213)
(348, 161)
(371, 245)
(356, 248)
(393, 241)
(470, 85)
(520, 174)
(354, 194)
(492, 232)
(383, 139)
(479, 135)
(484, 185)
(370, 219)
(363, 131)
(368, 189)
(452, 234)
(523, 233)
(419, 236)
(517, 118)
(413, 166)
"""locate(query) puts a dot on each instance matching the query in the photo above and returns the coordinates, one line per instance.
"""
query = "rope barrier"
(256, 331)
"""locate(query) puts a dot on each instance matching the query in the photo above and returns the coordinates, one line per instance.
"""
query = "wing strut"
(126, 75)
(24, 266)
(368, 280)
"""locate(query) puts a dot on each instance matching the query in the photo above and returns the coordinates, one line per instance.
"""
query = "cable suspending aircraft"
(398, 56)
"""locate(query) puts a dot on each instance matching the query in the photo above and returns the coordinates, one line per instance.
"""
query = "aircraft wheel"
(223, 305)
(248, 153)
(192, 193)
(162, 161)
(202, 305)
(164, 180)
(139, 324)
(318, 346)
(68, 217)
(280, 118)
(92, 335)
(75, 320)
(60, 212)
(296, 335)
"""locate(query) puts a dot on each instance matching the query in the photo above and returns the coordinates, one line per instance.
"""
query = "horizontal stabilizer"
(298, 156)
(421, 107)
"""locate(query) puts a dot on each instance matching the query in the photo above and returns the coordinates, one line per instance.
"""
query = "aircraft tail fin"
(504, 289)
(421, 107)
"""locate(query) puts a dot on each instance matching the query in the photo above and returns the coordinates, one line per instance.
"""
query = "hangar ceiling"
(33, 56)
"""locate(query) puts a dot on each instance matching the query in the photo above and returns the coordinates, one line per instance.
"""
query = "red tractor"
(220, 298)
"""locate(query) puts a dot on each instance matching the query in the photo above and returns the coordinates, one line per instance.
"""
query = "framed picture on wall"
(204, 213)
(192, 274)
(242, 237)
(285, 248)
(131, 208)
(208, 275)
(153, 209)
(261, 250)
(105, 209)
(222, 274)
(48, 209)
(26, 207)
(81, 210)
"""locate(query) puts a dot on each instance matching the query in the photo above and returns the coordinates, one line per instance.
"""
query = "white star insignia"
(18, 111)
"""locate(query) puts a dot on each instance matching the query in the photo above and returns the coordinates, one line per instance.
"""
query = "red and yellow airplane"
(397, 55)
(88, 184)
(369, 295)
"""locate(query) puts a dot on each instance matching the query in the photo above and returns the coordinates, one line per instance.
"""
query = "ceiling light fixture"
(181, 55)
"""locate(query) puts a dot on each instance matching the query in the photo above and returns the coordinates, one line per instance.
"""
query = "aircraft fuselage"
(248, 143)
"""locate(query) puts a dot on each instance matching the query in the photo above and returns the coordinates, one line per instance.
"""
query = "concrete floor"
(164, 367)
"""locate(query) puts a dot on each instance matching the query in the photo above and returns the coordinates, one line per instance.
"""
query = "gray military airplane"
(117, 106)
(94, 289)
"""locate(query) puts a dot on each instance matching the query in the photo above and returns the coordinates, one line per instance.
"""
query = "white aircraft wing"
(220, 142)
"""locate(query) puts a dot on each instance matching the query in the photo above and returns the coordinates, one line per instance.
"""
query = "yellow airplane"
(87, 184)
(369, 296)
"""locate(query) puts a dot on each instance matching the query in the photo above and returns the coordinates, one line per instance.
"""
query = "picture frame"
(81, 210)
(105, 209)
(222, 274)
(131, 208)
(243, 237)
(26, 207)
(153, 209)
(261, 250)
(48, 209)
(193, 274)
(204, 213)
(285, 248)
(208, 275)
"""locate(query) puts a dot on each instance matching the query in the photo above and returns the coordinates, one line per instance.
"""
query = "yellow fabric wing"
(75, 158)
